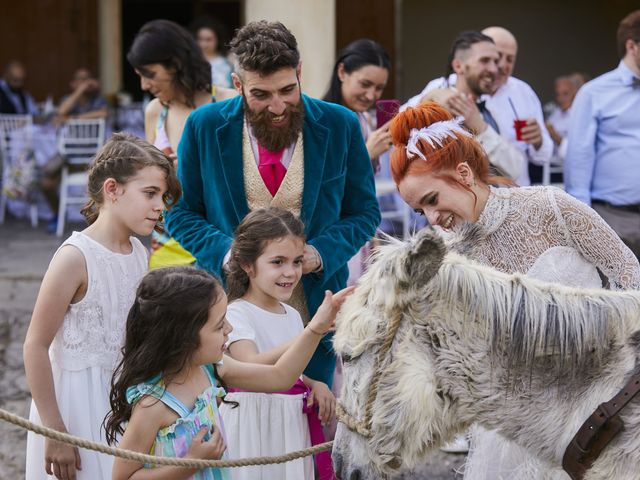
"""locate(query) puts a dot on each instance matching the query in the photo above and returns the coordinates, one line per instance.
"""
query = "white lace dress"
(86, 349)
(545, 233)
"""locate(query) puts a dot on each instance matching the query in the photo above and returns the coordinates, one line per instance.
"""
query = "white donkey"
(432, 342)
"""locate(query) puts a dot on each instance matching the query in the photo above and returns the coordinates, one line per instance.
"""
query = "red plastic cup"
(518, 124)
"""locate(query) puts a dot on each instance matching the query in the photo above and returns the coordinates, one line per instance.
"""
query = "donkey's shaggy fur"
(529, 359)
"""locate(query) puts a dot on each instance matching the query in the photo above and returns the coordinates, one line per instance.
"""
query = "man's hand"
(88, 85)
(310, 260)
(532, 133)
(461, 104)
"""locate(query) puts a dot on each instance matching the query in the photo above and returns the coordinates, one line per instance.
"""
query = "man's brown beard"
(271, 137)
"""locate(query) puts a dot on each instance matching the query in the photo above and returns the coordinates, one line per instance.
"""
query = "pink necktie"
(271, 169)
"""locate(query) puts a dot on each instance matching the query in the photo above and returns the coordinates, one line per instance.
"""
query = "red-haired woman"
(443, 174)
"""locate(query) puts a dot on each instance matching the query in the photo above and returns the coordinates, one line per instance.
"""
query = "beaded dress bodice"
(543, 229)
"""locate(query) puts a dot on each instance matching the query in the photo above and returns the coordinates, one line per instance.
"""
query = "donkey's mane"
(526, 318)
(522, 317)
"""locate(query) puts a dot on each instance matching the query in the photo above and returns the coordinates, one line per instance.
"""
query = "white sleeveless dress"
(549, 235)
(266, 423)
(86, 350)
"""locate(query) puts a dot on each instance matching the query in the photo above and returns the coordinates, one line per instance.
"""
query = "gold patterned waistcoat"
(288, 196)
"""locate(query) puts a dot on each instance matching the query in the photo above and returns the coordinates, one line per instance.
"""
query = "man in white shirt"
(474, 59)
(514, 99)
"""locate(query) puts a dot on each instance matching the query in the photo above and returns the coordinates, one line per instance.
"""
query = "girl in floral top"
(172, 372)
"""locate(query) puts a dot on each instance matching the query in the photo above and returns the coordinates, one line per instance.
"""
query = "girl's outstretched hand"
(211, 449)
(322, 321)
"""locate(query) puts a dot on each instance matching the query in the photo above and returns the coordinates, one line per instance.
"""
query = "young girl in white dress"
(172, 374)
(265, 266)
(77, 328)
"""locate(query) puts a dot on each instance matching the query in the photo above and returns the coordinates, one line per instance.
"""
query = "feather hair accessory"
(434, 134)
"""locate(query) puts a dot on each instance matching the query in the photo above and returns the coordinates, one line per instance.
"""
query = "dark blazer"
(339, 206)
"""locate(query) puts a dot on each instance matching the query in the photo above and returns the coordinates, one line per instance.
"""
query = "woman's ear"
(465, 174)
(341, 72)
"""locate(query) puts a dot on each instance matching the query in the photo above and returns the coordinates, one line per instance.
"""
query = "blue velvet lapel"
(316, 142)
(229, 137)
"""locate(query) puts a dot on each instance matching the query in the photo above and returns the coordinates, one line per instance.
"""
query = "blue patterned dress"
(174, 440)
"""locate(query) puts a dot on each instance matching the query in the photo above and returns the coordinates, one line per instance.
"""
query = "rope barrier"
(152, 459)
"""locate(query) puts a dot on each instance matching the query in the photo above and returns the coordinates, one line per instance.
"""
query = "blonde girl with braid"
(77, 328)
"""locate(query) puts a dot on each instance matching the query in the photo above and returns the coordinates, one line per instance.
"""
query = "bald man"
(513, 98)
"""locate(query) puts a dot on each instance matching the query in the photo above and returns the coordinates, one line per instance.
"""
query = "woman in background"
(172, 68)
(210, 35)
(359, 76)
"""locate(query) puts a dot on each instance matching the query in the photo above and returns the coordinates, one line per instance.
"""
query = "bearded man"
(274, 146)
(470, 77)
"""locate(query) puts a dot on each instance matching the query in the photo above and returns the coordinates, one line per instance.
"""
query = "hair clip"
(434, 134)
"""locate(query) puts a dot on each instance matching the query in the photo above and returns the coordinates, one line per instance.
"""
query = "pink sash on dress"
(323, 459)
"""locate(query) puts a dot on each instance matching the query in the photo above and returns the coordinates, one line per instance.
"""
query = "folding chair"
(547, 171)
(16, 142)
(78, 142)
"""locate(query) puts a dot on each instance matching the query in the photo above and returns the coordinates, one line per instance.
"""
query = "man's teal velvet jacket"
(339, 206)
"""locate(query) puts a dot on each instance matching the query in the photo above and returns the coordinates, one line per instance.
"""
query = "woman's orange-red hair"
(440, 159)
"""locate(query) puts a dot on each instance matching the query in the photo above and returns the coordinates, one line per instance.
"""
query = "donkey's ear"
(425, 255)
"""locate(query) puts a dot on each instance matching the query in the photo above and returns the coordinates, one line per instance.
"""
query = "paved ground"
(24, 256)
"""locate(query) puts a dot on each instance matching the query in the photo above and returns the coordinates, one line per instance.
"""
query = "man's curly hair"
(264, 47)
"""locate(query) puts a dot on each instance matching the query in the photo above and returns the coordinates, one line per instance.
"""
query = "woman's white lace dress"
(545, 233)
(86, 349)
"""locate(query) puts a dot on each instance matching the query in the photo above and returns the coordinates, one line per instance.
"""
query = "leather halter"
(598, 431)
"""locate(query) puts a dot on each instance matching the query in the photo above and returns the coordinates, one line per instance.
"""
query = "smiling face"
(214, 334)
(273, 105)
(361, 88)
(158, 81)
(508, 51)
(275, 272)
(445, 204)
(478, 67)
(139, 202)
